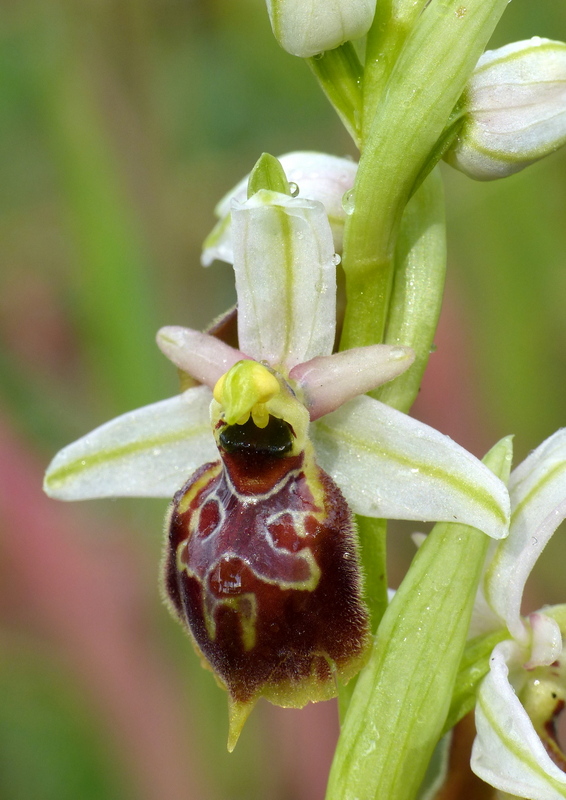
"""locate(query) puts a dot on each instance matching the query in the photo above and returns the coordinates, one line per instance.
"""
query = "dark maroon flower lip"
(269, 590)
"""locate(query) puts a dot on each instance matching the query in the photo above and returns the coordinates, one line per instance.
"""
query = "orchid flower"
(313, 176)
(262, 563)
(516, 749)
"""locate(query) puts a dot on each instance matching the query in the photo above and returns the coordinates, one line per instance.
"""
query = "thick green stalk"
(418, 287)
(372, 537)
(393, 21)
(402, 696)
(423, 88)
(414, 310)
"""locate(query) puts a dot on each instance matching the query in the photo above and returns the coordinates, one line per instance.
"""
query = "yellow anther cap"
(246, 385)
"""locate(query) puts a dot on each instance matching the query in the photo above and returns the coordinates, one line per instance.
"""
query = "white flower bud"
(515, 108)
(307, 27)
(317, 176)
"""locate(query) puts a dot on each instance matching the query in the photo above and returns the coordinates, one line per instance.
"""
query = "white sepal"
(149, 452)
(507, 751)
(285, 270)
(389, 465)
(318, 176)
(538, 501)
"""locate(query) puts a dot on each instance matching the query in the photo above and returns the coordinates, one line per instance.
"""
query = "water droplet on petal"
(348, 201)
(336, 259)
(397, 353)
(293, 188)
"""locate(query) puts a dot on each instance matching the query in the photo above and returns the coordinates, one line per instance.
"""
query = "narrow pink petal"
(204, 357)
(329, 381)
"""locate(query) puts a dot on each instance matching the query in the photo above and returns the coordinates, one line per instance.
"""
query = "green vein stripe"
(519, 752)
(61, 474)
(483, 498)
(549, 476)
(288, 262)
(516, 56)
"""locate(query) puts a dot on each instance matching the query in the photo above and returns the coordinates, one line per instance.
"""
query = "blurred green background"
(123, 122)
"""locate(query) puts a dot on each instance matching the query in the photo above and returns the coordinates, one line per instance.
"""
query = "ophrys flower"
(262, 557)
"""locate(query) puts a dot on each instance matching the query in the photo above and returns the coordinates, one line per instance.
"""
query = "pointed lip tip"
(238, 713)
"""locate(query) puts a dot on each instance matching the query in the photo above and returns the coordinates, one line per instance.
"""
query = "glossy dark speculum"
(262, 567)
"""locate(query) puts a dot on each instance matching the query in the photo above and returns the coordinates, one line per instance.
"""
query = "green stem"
(393, 21)
(372, 537)
(339, 73)
(423, 88)
(368, 287)
(418, 287)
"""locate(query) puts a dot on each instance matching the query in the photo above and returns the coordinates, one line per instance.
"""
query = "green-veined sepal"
(149, 452)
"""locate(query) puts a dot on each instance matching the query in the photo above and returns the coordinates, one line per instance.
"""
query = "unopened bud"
(311, 176)
(515, 106)
(307, 27)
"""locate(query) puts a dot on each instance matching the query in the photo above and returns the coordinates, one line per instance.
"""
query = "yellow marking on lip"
(197, 486)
